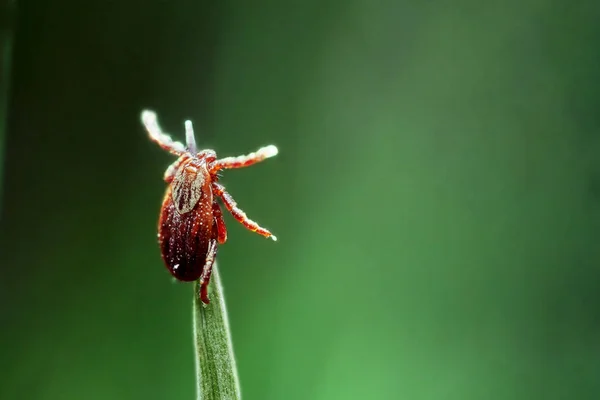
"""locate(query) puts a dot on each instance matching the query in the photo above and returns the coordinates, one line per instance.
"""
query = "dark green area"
(436, 198)
(7, 27)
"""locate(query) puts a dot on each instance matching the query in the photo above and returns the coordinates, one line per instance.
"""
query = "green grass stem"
(216, 372)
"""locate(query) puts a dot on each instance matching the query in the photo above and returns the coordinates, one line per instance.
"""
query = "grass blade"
(216, 372)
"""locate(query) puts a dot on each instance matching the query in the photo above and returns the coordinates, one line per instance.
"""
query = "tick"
(191, 225)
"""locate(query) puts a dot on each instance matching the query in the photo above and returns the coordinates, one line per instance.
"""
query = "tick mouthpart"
(189, 137)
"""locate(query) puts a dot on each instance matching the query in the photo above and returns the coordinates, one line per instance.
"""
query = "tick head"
(195, 164)
(207, 155)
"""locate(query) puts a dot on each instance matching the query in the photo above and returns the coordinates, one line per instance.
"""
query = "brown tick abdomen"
(184, 237)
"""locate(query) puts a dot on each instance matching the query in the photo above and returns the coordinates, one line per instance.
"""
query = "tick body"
(191, 225)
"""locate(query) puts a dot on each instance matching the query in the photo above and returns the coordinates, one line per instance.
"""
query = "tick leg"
(171, 170)
(221, 228)
(245, 160)
(238, 214)
(158, 136)
(207, 270)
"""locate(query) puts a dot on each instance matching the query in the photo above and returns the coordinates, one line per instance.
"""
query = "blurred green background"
(436, 197)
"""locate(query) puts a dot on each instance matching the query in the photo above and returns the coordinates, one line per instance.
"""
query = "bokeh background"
(436, 197)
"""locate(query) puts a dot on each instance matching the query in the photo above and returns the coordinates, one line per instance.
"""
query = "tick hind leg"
(219, 223)
(207, 270)
(245, 160)
(238, 214)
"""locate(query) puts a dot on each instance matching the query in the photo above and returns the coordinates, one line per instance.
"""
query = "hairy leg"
(238, 214)
(207, 270)
(158, 136)
(246, 160)
(220, 223)
(171, 170)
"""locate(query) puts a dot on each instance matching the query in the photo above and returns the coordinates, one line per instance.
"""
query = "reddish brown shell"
(186, 222)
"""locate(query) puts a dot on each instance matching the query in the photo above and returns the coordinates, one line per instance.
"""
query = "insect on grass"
(191, 224)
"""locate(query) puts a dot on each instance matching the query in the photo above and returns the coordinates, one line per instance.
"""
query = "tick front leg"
(245, 160)
(158, 136)
(221, 228)
(207, 270)
(238, 214)
(171, 170)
